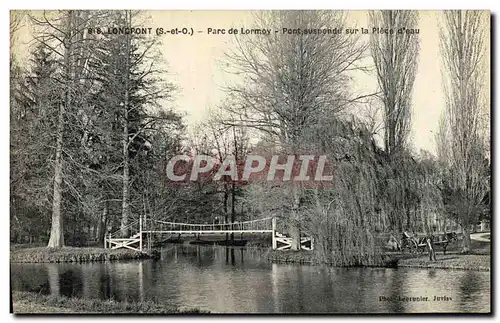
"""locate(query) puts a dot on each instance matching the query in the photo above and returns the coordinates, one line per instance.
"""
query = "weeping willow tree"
(370, 197)
(429, 194)
(345, 215)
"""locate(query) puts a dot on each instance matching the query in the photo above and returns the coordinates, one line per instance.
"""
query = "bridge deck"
(206, 231)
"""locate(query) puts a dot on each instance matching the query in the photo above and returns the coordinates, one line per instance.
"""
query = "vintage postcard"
(250, 162)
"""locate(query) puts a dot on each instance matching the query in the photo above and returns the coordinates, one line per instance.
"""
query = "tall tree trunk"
(101, 228)
(466, 238)
(125, 183)
(226, 198)
(233, 208)
(295, 223)
(233, 187)
(125, 141)
(56, 232)
(295, 216)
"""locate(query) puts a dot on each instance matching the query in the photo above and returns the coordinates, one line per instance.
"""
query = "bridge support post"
(140, 232)
(274, 233)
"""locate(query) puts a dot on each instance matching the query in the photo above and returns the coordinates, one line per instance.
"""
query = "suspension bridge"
(145, 227)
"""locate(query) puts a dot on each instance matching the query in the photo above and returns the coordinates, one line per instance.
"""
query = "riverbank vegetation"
(307, 257)
(449, 261)
(33, 303)
(72, 254)
(93, 128)
(479, 259)
(392, 260)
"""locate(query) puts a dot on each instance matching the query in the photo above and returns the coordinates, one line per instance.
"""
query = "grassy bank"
(300, 257)
(32, 303)
(449, 261)
(309, 257)
(478, 259)
(73, 254)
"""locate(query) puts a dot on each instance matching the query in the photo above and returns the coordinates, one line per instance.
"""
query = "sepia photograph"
(202, 162)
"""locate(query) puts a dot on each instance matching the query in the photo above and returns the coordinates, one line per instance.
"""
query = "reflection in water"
(472, 286)
(70, 281)
(141, 280)
(105, 280)
(239, 280)
(395, 289)
(53, 273)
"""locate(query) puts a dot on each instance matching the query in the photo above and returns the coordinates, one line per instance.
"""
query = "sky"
(195, 65)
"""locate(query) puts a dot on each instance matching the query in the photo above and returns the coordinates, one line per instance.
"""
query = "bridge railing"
(130, 229)
(252, 225)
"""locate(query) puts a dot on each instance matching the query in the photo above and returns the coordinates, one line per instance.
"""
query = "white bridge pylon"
(149, 226)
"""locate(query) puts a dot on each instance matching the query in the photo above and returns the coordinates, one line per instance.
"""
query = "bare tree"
(462, 137)
(290, 80)
(56, 232)
(287, 80)
(64, 35)
(395, 56)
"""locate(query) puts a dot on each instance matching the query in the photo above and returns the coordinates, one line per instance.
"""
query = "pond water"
(239, 280)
